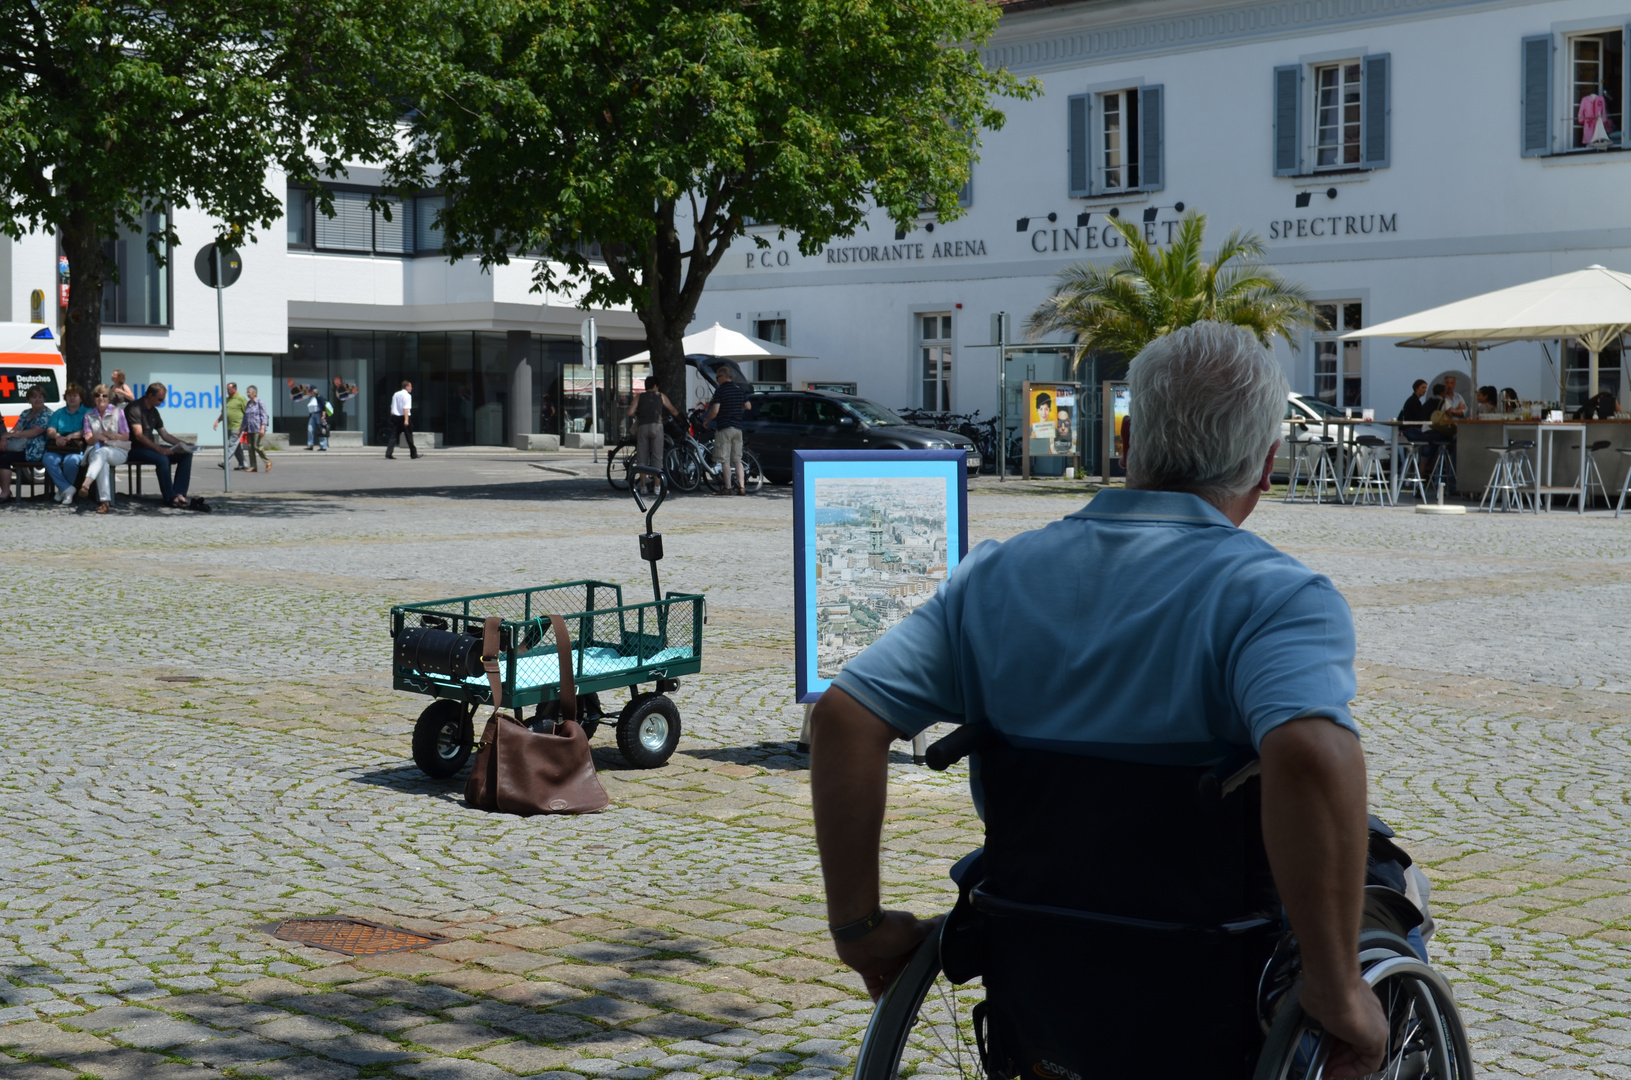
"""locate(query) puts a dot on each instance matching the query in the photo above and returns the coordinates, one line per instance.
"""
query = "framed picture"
(874, 534)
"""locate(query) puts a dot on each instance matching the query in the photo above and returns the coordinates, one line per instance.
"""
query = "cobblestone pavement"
(201, 740)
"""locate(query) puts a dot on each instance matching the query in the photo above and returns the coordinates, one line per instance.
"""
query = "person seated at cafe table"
(1414, 413)
(1489, 401)
(1600, 406)
(1509, 400)
(1452, 402)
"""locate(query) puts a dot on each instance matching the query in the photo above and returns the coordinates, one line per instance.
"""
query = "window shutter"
(427, 234)
(1375, 107)
(1152, 175)
(1625, 88)
(395, 237)
(1079, 173)
(1288, 120)
(352, 226)
(1536, 111)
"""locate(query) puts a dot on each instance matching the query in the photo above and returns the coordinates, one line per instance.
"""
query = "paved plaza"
(201, 739)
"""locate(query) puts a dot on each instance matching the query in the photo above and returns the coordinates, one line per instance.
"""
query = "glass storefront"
(462, 384)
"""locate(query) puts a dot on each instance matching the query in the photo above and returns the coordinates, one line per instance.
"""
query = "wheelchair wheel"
(1426, 1039)
(923, 1026)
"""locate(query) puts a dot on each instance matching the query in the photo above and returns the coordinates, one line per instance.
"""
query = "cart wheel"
(441, 739)
(648, 730)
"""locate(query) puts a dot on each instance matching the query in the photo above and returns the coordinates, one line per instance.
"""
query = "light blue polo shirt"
(1145, 627)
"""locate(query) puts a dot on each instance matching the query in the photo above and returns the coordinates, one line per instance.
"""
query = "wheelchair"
(1156, 949)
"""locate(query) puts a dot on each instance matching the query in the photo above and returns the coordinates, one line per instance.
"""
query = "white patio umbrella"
(1593, 306)
(720, 342)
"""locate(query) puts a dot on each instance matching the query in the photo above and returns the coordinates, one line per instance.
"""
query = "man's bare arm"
(849, 784)
(1314, 827)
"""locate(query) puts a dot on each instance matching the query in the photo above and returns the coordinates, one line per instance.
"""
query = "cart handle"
(636, 471)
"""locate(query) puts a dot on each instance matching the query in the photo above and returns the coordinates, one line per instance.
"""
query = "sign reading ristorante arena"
(914, 252)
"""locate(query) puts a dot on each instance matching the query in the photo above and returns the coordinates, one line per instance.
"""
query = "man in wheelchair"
(1121, 674)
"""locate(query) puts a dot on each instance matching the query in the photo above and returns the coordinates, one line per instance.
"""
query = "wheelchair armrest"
(1223, 778)
(948, 750)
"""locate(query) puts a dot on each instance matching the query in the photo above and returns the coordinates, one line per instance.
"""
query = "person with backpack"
(647, 410)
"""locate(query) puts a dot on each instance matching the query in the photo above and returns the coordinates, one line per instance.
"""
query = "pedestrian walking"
(402, 420)
(107, 444)
(316, 420)
(726, 416)
(255, 423)
(235, 426)
(647, 410)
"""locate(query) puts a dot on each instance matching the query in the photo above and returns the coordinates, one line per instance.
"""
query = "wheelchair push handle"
(948, 750)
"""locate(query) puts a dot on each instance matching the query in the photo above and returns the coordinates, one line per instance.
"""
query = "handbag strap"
(569, 686)
(490, 638)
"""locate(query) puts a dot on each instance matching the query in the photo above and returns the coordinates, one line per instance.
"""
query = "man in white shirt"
(1453, 403)
(402, 420)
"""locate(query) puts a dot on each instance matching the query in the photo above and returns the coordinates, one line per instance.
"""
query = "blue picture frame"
(810, 466)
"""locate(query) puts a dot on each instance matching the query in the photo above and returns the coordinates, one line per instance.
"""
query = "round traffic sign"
(204, 265)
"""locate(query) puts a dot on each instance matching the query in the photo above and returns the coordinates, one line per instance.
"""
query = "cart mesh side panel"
(610, 643)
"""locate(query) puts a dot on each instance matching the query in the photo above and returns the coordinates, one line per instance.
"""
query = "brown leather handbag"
(520, 771)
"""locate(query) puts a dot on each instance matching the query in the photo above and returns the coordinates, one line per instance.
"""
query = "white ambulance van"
(28, 358)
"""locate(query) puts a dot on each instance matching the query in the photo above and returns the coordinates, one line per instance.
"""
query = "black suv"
(783, 421)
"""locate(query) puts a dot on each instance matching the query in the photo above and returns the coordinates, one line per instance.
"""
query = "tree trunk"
(82, 336)
(668, 364)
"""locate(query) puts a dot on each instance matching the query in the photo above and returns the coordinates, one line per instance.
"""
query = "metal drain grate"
(354, 937)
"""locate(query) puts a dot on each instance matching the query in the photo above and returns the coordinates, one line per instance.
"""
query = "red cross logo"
(8, 386)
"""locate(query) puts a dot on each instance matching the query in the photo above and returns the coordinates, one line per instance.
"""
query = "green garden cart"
(614, 645)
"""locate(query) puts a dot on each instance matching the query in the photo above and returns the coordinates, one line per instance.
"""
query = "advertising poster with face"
(1064, 420)
(1042, 419)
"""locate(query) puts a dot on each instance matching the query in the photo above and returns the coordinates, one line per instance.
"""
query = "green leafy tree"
(659, 130)
(1150, 291)
(111, 110)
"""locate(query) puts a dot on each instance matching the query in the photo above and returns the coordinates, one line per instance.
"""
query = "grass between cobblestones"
(152, 826)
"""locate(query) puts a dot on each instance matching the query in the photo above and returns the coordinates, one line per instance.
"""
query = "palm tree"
(1149, 292)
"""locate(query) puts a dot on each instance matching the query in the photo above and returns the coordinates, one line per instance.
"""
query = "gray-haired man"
(1171, 637)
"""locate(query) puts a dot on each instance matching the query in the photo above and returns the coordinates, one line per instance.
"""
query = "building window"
(1337, 115)
(934, 349)
(427, 233)
(1338, 364)
(773, 369)
(1346, 121)
(1597, 82)
(1118, 136)
(141, 295)
(352, 226)
(297, 212)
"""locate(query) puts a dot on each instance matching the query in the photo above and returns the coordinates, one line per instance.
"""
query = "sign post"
(587, 332)
(219, 271)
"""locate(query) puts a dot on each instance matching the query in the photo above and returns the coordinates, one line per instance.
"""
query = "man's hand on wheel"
(881, 955)
(1358, 1029)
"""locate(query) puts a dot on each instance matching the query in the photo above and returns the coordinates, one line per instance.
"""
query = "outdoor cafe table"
(1474, 439)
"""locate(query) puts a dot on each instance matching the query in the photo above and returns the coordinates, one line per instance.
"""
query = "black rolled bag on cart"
(517, 770)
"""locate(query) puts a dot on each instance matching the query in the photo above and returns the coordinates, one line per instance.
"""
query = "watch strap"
(858, 929)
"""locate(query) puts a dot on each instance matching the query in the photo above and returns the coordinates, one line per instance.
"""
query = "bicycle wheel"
(923, 1025)
(619, 462)
(684, 473)
(711, 472)
(750, 467)
(1426, 1039)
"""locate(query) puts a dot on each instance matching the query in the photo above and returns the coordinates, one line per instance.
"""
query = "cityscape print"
(880, 553)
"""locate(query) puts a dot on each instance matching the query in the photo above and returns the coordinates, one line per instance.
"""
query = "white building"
(1392, 154)
(354, 297)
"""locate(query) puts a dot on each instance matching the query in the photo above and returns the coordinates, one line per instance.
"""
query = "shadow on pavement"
(779, 754)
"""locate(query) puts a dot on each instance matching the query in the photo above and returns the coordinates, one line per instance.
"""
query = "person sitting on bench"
(153, 445)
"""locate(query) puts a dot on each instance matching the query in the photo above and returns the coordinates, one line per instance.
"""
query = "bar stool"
(1593, 473)
(1506, 481)
(1408, 470)
(1365, 472)
(1442, 463)
(1312, 465)
(1621, 504)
